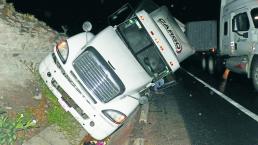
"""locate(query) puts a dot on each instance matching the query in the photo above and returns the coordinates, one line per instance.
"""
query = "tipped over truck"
(98, 77)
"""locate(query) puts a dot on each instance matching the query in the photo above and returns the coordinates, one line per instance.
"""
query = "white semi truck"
(234, 43)
(98, 78)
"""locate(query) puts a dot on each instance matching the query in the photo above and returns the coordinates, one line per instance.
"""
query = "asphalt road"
(210, 119)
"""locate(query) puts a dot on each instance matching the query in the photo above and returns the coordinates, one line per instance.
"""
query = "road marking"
(234, 103)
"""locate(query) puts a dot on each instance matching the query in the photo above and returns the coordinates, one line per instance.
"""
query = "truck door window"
(241, 22)
(225, 28)
(142, 46)
(254, 14)
(135, 35)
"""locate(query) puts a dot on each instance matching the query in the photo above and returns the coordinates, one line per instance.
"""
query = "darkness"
(57, 13)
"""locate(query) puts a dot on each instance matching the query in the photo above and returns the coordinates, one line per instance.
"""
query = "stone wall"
(24, 42)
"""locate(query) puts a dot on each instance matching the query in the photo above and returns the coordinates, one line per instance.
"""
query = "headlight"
(115, 116)
(62, 50)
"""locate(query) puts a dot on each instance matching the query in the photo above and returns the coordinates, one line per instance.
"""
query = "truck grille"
(97, 76)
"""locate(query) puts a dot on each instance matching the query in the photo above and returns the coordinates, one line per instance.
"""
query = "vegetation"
(10, 127)
(8, 10)
(55, 114)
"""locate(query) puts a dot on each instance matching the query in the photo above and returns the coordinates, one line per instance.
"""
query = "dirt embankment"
(24, 42)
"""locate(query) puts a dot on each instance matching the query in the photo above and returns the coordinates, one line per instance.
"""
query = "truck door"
(226, 35)
(240, 30)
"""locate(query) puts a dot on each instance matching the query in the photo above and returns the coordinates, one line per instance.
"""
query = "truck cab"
(98, 78)
(239, 37)
(238, 30)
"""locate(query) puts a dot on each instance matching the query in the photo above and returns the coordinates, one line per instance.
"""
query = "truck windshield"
(142, 46)
(254, 13)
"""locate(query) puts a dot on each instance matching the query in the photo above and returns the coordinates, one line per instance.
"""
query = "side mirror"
(87, 26)
(245, 35)
(125, 12)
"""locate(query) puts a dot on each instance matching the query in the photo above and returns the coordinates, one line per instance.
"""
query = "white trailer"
(98, 78)
(233, 43)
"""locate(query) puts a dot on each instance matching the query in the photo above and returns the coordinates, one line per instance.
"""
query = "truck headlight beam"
(62, 50)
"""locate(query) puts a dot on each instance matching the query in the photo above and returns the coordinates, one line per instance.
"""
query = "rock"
(8, 108)
(1, 6)
(38, 97)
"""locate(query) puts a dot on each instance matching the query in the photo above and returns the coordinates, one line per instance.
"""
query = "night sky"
(73, 13)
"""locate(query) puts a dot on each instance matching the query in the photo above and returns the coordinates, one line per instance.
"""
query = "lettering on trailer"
(171, 33)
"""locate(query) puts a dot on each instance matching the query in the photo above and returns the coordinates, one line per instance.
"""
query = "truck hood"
(124, 64)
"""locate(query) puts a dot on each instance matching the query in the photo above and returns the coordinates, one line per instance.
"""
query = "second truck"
(233, 44)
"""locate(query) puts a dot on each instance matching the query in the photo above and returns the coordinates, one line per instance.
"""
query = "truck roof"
(172, 29)
(167, 35)
(236, 3)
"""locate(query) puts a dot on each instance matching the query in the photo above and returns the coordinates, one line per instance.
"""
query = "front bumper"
(80, 106)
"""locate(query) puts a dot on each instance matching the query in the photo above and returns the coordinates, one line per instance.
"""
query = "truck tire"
(211, 65)
(219, 66)
(204, 63)
(255, 73)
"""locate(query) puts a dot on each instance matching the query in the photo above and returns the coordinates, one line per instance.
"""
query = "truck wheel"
(255, 73)
(211, 64)
(204, 63)
(219, 66)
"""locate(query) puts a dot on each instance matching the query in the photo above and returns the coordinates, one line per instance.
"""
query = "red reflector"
(152, 33)
(161, 48)
(240, 66)
(213, 50)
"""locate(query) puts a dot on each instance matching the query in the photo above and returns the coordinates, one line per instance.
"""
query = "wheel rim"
(211, 65)
(203, 63)
(256, 75)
